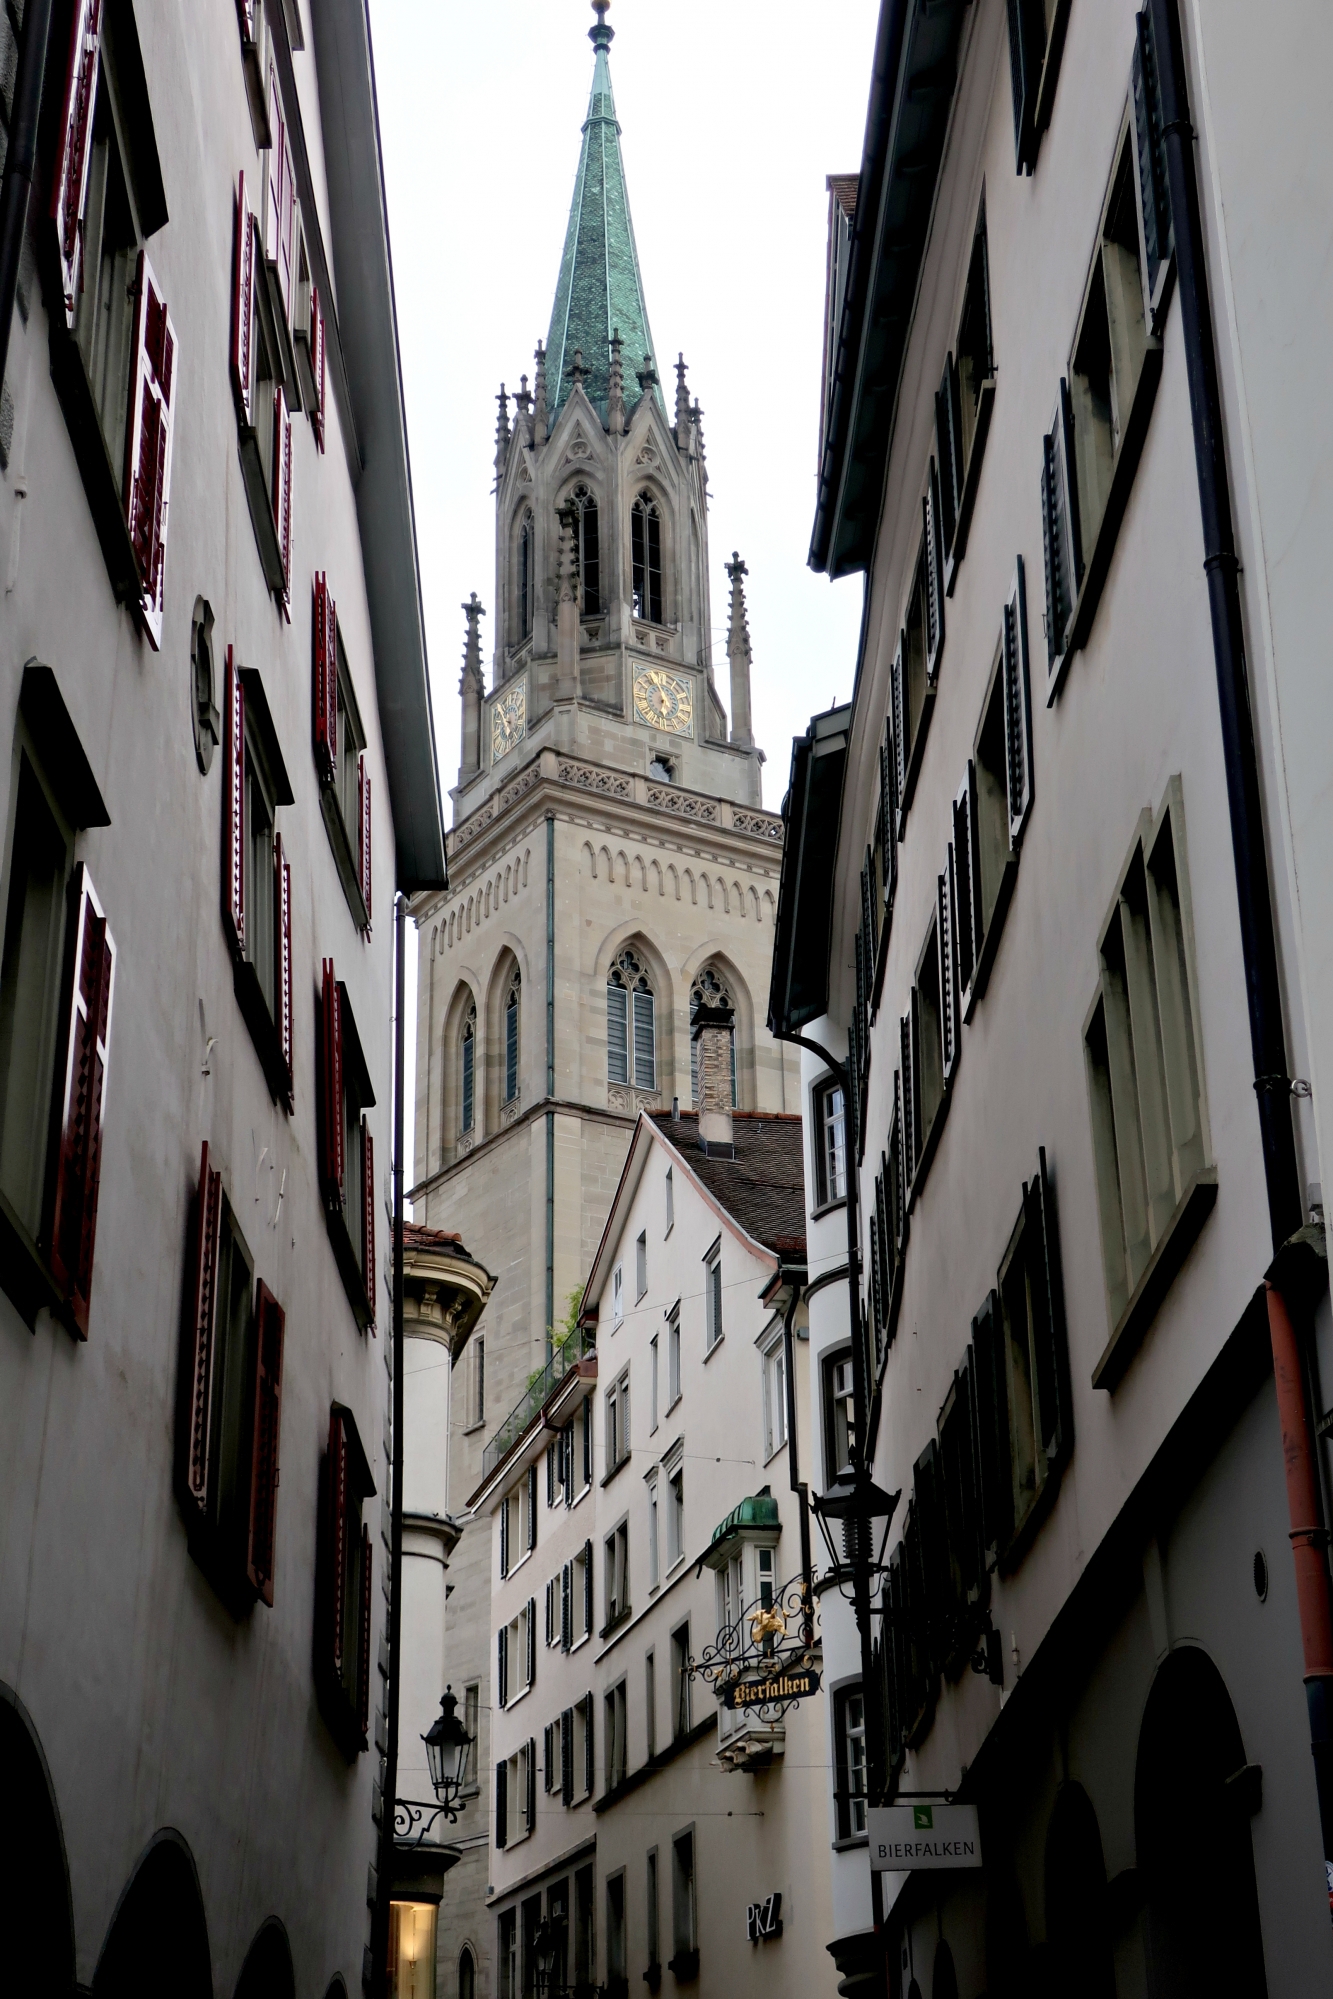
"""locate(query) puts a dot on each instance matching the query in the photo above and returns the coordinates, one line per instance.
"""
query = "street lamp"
(447, 1747)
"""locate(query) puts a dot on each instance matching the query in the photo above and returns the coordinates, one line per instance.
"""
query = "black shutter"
(504, 1537)
(550, 1474)
(948, 968)
(1053, 549)
(1017, 707)
(876, 1297)
(949, 451)
(1068, 468)
(869, 916)
(897, 1153)
(502, 1666)
(587, 1442)
(550, 1610)
(928, 1507)
(918, 1131)
(532, 1639)
(567, 1756)
(971, 911)
(886, 796)
(532, 1506)
(589, 1755)
(501, 1804)
(991, 1418)
(930, 514)
(1054, 1415)
(908, 1094)
(1027, 50)
(531, 1800)
(566, 1607)
(587, 1585)
(902, 749)
(1154, 191)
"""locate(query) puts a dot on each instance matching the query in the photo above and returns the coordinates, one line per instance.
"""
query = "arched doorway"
(1077, 1931)
(1192, 1832)
(36, 1920)
(157, 1946)
(268, 1972)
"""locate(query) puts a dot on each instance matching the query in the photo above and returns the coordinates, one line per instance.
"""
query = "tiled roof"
(763, 1187)
(417, 1237)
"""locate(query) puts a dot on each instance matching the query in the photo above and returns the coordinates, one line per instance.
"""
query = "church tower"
(611, 865)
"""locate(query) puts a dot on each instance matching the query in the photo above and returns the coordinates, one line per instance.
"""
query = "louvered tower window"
(525, 573)
(589, 552)
(646, 550)
(469, 1078)
(511, 1038)
(631, 1041)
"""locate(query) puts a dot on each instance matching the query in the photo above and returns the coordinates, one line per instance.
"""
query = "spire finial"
(615, 401)
(576, 372)
(502, 430)
(647, 375)
(682, 406)
(601, 36)
(539, 397)
(738, 652)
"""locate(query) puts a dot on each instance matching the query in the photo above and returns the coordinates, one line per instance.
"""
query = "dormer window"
(589, 552)
(646, 551)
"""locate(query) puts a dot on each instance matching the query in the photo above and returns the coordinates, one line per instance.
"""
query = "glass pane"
(412, 1952)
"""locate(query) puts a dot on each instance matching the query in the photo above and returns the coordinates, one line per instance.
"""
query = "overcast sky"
(732, 113)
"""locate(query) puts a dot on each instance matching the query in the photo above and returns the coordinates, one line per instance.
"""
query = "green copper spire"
(600, 289)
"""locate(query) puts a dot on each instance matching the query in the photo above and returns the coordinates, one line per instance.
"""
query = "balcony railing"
(568, 1353)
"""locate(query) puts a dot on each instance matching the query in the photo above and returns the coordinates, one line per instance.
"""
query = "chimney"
(712, 1029)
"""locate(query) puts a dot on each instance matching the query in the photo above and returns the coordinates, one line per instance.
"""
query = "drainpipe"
(1289, 1330)
(21, 159)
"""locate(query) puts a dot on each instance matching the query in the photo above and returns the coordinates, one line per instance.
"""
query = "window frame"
(345, 787)
(253, 762)
(826, 1121)
(648, 597)
(850, 1805)
(960, 432)
(714, 1329)
(1036, 45)
(346, 1561)
(675, 1386)
(829, 1363)
(346, 1170)
(773, 1359)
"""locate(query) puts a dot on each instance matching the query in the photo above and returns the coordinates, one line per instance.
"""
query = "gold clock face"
(509, 721)
(664, 700)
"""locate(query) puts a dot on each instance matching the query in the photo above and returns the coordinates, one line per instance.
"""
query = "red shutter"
(331, 1090)
(317, 364)
(148, 443)
(282, 958)
(363, 1661)
(282, 484)
(233, 806)
(201, 1307)
(243, 307)
(69, 178)
(270, 1323)
(368, 1216)
(71, 1217)
(363, 813)
(326, 679)
(337, 1541)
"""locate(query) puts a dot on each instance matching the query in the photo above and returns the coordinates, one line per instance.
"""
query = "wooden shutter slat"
(363, 1658)
(70, 1209)
(73, 159)
(908, 1088)
(368, 1217)
(201, 1315)
(502, 1665)
(531, 1812)
(282, 904)
(244, 253)
(317, 364)
(233, 805)
(991, 1421)
(270, 1327)
(148, 436)
(504, 1539)
(567, 1756)
(337, 1541)
(331, 1088)
(501, 1803)
(901, 746)
(949, 495)
(363, 820)
(325, 647)
(930, 517)
(960, 898)
(566, 1604)
(1068, 469)
(532, 1506)
(976, 907)
(1050, 549)
(589, 1748)
(948, 968)
(1154, 195)
(282, 485)
(1054, 1416)
(532, 1639)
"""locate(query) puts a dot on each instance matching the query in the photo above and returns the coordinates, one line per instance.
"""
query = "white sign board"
(905, 1838)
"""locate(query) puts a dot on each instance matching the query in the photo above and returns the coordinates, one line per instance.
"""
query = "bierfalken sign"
(905, 1839)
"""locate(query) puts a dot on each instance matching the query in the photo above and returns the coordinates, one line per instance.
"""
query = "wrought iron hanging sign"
(768, 1656)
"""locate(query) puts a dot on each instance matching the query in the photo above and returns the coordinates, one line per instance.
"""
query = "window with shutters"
(230, 1415)
(617, 1425)
(580, 1597)
(1033, 1360)
(616, 1736)
(926, 1026)
(341, 759)
(1092, 450)
(57, 979)
(774, 1362)
(616, 1553)
(114, 357)
(617, 1983)
(713, 1328)
(963, 406)
(345, 1147)
(581, 1737)
(1156, 1182)
(991, 809)
(1036, 43)
(675, 1506)
(849, 1748)
(516, 1776)
(310, 339)
(650, 1708)
(830, 1136)
(344, 1589)
(631, 1034)
(684, 1959)
(914, 668)
(646, 558)
(256, 875)
(673, 1357)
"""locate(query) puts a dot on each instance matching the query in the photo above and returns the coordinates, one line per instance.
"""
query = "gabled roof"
(763, 1187)
(599, 290)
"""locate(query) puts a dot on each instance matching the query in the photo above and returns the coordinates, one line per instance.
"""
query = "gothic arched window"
(589, 552)
(511, 1038)
(646, 549)
(468, 1080)
(525, 574)
(631, 1036)
(709, 990)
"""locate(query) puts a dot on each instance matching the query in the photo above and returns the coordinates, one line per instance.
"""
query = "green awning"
(761, 1510)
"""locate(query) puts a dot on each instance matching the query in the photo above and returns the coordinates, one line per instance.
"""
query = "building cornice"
(561, 1106)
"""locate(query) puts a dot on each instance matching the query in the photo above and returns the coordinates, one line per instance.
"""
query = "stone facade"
(608, 835)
